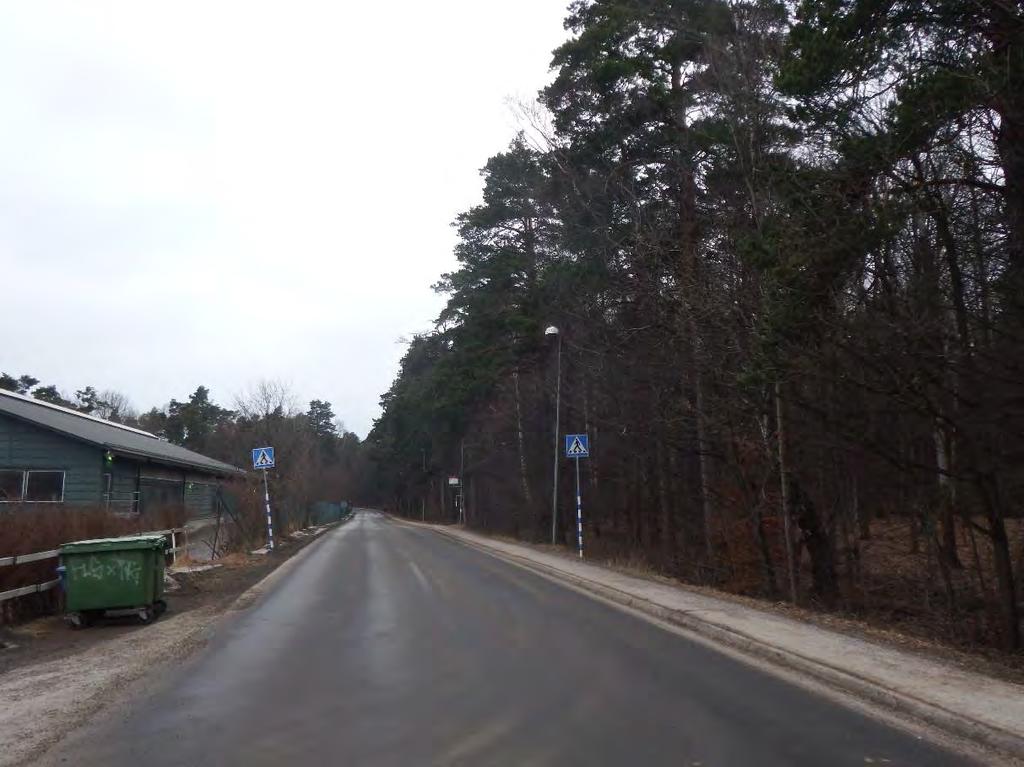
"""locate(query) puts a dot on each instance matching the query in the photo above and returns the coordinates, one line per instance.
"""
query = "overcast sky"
(219, 192)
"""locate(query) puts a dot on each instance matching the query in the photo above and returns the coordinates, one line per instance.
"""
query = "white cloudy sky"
(219, 192)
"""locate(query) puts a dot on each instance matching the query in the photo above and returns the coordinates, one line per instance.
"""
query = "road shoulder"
(59, 680)
(963, 704)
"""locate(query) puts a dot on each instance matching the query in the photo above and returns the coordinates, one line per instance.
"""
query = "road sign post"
(263, 459)
(578, 446)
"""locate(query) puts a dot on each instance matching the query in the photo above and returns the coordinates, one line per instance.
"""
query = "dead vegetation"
(28, 529)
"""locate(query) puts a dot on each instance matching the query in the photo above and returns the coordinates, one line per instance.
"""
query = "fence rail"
(22, 559)
(35, 588)
(23, 591)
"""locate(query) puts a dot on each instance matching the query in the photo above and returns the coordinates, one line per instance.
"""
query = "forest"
(770, 257)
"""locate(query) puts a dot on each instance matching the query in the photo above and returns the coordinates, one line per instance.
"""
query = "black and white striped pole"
(270, 519)
(263, 459)
(579, 510)
(578, 446)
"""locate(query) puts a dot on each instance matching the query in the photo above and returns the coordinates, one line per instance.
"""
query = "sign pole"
(263, 459)
(270, 521)
(579, 510)
(578, 446)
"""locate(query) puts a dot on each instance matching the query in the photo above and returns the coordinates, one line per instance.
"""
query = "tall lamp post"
(462, 481)
(553, 331)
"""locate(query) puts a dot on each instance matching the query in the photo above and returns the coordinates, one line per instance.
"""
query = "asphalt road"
(392, 645)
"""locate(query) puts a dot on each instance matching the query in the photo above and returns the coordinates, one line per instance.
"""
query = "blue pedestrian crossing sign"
(263, 458)
(577, 446)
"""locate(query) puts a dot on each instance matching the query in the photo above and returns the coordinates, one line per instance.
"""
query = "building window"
(44, 486)
(11, 485)
(31, 486)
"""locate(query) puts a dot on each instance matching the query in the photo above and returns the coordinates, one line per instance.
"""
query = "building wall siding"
(199, 495)
(24, 446)
(124, 476)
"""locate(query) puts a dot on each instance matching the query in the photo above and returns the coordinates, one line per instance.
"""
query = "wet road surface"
(391, 645)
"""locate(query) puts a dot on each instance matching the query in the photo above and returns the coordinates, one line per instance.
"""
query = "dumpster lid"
(114, 544)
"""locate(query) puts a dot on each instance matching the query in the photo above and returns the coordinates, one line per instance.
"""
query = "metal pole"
(462, 481)
(554, 483)
(270, 522)
(579, 511)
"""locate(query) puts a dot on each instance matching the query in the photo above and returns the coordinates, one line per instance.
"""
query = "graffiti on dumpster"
(95, 568)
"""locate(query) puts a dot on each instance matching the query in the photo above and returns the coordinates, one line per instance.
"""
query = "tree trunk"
(666, 507)
(947, 499)
(1007, 590)
(689, 273)
(591, 463)
(705, 468)
(787, 532)
(523, 478)
(819, 545)
(771, 587)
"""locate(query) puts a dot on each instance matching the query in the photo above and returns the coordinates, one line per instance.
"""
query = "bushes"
(244, 518)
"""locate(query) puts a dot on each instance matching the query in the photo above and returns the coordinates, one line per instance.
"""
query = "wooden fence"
(35, 588)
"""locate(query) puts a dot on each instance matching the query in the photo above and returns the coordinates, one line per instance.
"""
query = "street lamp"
(462, 481)
(553, 331)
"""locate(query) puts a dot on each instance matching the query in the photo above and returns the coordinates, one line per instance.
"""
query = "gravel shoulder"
(53, 679)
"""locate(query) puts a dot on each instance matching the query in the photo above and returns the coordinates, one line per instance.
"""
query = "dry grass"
(245, 528)
(27, 529)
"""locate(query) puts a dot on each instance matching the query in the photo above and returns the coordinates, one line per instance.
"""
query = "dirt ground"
(50, 637)
(52, 678)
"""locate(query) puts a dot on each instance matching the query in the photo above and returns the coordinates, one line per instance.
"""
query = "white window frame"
(24, 484)
(63, 481)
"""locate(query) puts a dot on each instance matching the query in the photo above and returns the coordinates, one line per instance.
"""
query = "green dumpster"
(113, 576)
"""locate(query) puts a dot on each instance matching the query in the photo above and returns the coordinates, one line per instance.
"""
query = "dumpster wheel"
(79, 620)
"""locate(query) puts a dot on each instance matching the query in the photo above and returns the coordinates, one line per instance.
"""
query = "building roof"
(119, 439)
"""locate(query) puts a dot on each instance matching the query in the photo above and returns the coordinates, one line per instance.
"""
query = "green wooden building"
(51, 454)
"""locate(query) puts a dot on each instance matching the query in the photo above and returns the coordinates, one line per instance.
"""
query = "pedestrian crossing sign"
(577, 446)
(263, 458)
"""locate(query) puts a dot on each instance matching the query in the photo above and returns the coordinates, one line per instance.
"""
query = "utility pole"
(553, 331)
